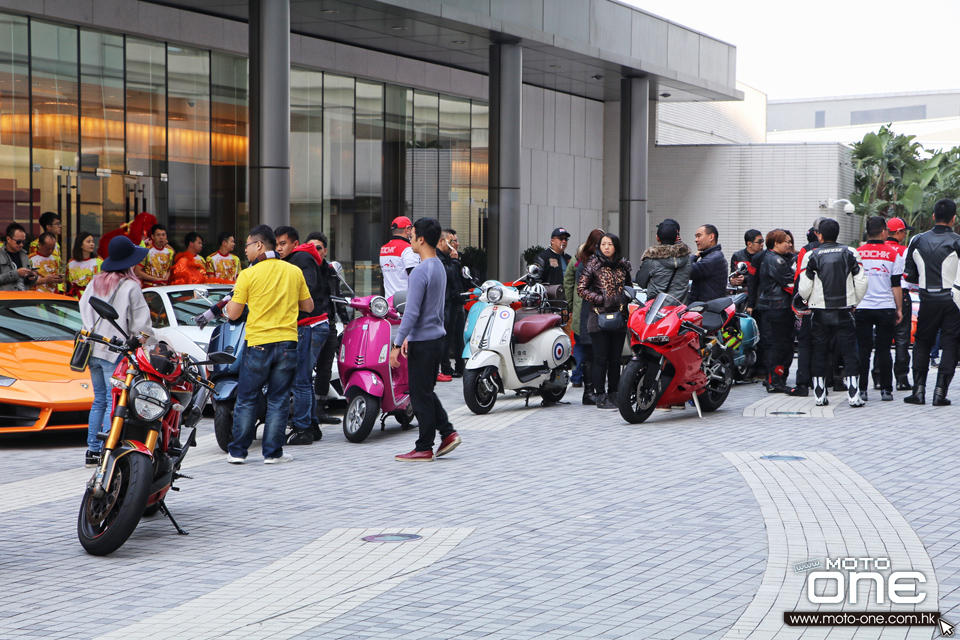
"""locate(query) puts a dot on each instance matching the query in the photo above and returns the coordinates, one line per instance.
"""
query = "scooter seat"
(526, 329)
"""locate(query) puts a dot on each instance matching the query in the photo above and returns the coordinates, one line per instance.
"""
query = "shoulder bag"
(82, 347)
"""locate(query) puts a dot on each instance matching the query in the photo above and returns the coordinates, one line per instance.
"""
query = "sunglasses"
(20, 242)
(250, 243)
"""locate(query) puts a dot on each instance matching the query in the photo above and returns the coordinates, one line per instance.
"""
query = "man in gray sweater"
(421, 339)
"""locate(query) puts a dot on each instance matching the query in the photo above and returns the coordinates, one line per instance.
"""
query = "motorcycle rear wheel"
(361, 413)
(475, 393)
(105, 524)
(716, 391)
(223, 422)
(635, 405)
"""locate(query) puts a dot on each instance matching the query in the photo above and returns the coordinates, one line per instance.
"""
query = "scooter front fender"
(225, 390)
(485, 358)
(363, 380)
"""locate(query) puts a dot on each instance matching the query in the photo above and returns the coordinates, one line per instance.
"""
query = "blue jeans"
(577, 376)
(100, 372)
(273, 364)
(310, 342)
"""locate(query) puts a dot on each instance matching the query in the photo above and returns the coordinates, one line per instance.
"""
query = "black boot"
(940, 391)
(903, 384)
(589, 397)
(919, 388)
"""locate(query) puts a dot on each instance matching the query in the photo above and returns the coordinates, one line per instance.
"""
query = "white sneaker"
(284, 457)
(233, 460)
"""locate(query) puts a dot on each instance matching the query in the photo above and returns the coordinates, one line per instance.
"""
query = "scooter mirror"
(533, 270)
(466, 273)
(201, 293)
(338, 268)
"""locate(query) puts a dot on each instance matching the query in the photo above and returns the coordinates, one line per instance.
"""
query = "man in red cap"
(896, 236)
(397, 258)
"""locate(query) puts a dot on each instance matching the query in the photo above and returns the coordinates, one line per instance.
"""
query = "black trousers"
(423, 364)
(776, 334)
(453, 323)
(321, 383)
(761, 366)
(827, 324)
(901, 339)
(607, 352)
(883, 321)
(805, 350)
(934, 316)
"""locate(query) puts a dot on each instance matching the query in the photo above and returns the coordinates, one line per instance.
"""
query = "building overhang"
(580, 47)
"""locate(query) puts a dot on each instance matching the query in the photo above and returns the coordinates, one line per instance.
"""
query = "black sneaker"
(315, 432)
(326, 418)
(92, 459)
(300, 436)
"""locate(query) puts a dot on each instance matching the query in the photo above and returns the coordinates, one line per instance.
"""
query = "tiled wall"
(738, 187)
(562, 166)
(726, 122)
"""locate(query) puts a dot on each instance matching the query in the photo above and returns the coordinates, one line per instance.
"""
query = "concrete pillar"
(269, 113)
(634, 143)
(506, 91)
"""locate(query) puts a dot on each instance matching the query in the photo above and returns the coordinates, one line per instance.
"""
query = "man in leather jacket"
(832, 284)
(331, 286)
(931, 263)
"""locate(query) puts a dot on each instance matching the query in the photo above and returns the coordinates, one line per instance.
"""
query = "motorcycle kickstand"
(166, 512)
(696, 403)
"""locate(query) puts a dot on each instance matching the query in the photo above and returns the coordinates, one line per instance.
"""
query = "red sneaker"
(415, 456)
(448, 444)
(442, 377)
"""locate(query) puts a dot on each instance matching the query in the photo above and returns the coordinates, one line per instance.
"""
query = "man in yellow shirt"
(275, 291)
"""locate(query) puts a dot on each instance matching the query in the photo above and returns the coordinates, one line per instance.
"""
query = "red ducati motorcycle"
(145, 446)
(677, 357)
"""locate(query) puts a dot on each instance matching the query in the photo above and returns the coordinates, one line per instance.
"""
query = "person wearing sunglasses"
(15, 271)
(753, 240)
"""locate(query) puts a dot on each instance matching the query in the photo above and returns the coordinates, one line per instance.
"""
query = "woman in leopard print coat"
(601, 284)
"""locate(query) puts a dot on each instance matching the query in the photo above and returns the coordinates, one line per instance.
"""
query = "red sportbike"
(145, 446)
(677, 357)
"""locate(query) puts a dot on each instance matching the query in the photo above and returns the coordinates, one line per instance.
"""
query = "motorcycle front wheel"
(361, 413)
(223, 422)
(635, 404)
(104, 524)
(476, 390)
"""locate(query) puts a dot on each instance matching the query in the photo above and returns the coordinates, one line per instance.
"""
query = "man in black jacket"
(454, 316)
(312, 331)
(753, 240)
(330, 284)
(709, 268)
(553, 261)
(931, 263)
(833, 283)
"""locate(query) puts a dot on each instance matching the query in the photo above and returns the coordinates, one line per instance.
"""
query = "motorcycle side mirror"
(107, 312)
(218, 357)
(465, 272)
(201, 293)
(630, 292)
(533, 271)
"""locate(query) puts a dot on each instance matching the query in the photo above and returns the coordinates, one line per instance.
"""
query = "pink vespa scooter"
(369, 384)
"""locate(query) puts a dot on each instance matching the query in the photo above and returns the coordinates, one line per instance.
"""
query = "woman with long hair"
(118, 285)
(774, 298)
(83, 265)
(601, 284)
(582, 346)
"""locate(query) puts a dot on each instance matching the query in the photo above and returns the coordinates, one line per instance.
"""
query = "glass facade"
(99, 126)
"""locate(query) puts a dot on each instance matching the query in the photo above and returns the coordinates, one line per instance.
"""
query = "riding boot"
(589, 397)
(940, 391)
(919, 388)
(853, 392)
(903, 383)
(820, 391)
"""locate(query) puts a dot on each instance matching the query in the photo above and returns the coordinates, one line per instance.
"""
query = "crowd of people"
(845, 307)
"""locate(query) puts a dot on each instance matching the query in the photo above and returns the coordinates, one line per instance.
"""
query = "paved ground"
(549, 522)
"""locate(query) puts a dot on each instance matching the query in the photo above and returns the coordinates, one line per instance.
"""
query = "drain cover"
(776, 458)
(788, 413)
(391, 537)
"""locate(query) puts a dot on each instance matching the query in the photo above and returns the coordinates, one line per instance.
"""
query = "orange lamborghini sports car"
(38, 390)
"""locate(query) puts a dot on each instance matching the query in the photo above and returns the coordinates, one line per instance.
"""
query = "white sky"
(812, 48)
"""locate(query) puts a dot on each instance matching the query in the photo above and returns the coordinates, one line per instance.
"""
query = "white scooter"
(529, 354)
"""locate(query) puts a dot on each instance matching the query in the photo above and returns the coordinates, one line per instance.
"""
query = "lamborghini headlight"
(150, 400)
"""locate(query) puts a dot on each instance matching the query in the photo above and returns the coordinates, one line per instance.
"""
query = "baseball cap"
(897, 224)
(401, 222)
(559, 232)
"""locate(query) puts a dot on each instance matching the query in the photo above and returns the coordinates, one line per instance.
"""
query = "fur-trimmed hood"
(666, 251)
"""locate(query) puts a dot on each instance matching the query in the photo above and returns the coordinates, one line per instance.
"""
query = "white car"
(173, 308)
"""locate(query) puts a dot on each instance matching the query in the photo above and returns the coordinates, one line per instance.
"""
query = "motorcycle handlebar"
(692, 327)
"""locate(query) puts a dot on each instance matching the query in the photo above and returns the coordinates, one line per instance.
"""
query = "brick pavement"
(575, 525)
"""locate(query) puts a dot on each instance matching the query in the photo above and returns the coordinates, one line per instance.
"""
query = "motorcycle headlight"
(495, 294)
(379, 307)
(150, 400)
